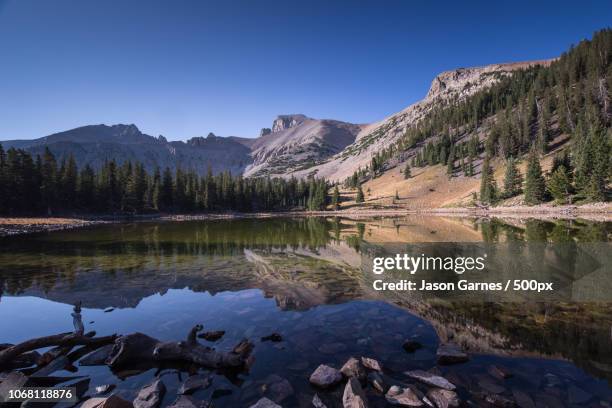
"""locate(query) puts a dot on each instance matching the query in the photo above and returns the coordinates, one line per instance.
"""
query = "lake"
(304, 279)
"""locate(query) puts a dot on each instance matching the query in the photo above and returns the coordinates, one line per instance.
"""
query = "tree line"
(41, 185)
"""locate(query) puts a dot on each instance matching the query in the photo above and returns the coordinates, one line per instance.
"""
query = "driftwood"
(194, 352)
(63, 340)
(138, 347)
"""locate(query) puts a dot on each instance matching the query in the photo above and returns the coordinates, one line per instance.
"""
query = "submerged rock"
(278, 388)
(353, 396)
(411, 346)
(274, 337)
(522, 399)
(404, 397)
(577, 395)
(317, 403)
(371, 364)
(194, 383)
(104, 389)
(450, 353)
(265, 403)
(151, 395)
(325, 376)
(499, 372)
(431, 379)
(97, 357)
(491, 387)
(354, 368)
(443, 398)
(377, 382)
(498, 400)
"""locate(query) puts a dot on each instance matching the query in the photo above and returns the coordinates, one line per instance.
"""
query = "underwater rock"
(325, 376)
(317, 403)
(522, 399)
(431, 379)
(186, 401)
(274, 337)
(97, 357)
(377, 382)
(411, 346)
(499, 372)
(278, 388)
(212, 335)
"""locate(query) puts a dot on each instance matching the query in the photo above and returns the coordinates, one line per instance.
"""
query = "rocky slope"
(447, 87)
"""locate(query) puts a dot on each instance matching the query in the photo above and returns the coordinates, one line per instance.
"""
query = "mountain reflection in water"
(151, 272)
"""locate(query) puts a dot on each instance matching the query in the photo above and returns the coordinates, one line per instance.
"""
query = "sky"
(186, 68)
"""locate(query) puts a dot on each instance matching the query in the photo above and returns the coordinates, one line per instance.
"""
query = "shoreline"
(601, 212)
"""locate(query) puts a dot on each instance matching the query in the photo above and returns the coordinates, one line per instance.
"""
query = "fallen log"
(63, 340)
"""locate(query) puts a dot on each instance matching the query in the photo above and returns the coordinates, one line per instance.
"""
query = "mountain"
(96, 144)
(446, 88)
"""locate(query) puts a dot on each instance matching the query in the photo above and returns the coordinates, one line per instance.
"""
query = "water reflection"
(157, 274)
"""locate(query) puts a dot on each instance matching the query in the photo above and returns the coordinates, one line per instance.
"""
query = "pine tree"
(360, 198)
(165, 194)
(451, 163)
(48, 186)
(407, 172)
(488, 188)
(513, 179)
(86, 188)
(335, 202)
(535, 188)
(559, 185)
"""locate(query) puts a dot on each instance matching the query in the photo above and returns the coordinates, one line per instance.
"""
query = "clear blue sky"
(185, 68)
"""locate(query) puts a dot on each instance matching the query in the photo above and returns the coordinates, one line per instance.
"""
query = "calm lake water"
(303, 278)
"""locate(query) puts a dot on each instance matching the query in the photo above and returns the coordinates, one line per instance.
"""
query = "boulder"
(443, 398)
(431, 379)
(97, 357)
(187, 401)
(212, 335)
(522, 399)
(265, 403)
(325, 376)
(450, 353)
(151, 395)
(194, 383)
(113, 401)
(499, 372)
(354, 368)
(278, 388)
(371, 364)
(353, 396)
(403, 397)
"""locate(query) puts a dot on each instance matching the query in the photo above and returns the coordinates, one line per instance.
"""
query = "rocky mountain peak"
(264, 132)
(283, 122)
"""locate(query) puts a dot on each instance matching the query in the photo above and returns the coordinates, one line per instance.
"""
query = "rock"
(104, 389)
(265, 403)
(274, 337)
(577, 395)
(109, 309)
(371, 364)
(431, 379)
(283, 122)
(499, 372)
(194, 383)
(491, 387)
(552, 380)
(317, 403)
(443, 398)
(377, 382)
(212, 335)
(187, 401)
(113, 401)
(499, 401)
(151, 395)
(354, 368)
(264, 131)
(13, 380)
(523, 400)
(411, 346)
(450, 353)
(97, 357)
(278, 388)
(353, 396)
(404, 397)
(325, 376)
